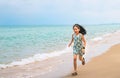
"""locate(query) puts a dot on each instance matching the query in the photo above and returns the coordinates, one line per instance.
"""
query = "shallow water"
(22, 45)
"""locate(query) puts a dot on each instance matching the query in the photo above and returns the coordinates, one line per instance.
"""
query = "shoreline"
(103, 66)
(44, 56)
(59, 66)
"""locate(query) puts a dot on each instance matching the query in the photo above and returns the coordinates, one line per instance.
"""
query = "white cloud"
(103, 9)
(61, 5)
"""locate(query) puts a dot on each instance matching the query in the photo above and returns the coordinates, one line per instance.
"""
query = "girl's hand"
(83, 50)
(69, 45)
(83, 47)
(71, 41)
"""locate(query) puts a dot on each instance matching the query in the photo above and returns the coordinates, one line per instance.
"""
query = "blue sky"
(59, 12)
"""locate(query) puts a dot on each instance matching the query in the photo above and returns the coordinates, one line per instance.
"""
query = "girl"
(79, 44)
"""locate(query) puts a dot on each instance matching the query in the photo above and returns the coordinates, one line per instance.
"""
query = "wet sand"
(104, 66)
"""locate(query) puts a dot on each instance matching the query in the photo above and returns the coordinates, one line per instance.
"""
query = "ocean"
(21, 45)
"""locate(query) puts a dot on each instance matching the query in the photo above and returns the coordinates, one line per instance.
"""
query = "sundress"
(78, 45)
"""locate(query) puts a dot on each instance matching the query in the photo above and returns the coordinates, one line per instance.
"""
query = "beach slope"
(106, 65)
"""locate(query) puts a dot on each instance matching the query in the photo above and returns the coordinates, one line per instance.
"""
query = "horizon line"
(62, 24)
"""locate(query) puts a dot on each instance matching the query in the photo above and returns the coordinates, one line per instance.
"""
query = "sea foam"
(36, 57)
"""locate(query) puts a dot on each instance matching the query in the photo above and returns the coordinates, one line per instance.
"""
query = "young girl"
(79, 44)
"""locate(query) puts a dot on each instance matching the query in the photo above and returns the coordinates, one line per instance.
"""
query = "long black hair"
(82, 29)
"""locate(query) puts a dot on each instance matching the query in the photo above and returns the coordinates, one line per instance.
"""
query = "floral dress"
(77, 48)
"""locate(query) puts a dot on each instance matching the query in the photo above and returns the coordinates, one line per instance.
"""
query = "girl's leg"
(75, 62)
(81, 58)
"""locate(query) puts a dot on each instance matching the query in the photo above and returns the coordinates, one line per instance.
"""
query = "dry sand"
(106, 65)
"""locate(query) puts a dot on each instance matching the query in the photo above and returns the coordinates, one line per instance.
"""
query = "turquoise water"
(17, 43)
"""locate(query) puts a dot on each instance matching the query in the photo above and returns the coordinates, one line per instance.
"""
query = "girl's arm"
(84, 41)
(71, 41)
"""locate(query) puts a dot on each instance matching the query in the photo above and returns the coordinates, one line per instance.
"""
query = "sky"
(59, 12)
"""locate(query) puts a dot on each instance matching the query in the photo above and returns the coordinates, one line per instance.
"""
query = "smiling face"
(76, 29)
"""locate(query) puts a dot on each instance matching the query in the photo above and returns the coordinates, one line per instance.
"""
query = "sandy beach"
(103, 66)
(38, 38)
(102, 62)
